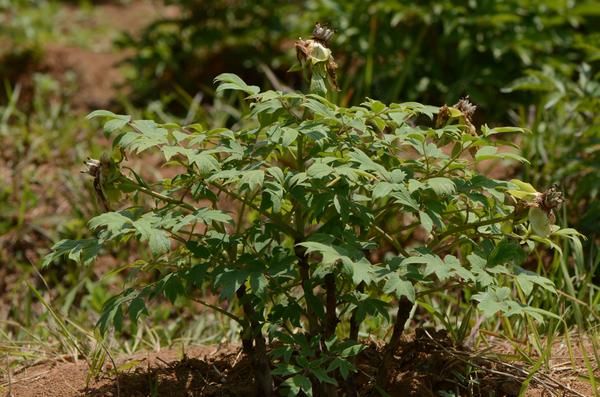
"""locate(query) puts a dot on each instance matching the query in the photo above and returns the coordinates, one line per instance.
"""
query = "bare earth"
(423, 367)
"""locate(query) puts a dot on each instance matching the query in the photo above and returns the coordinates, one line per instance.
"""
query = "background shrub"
(432, 51)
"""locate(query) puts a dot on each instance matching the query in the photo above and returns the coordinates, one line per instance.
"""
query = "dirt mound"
(97, 74)
(423, 367)
(95, 64)
(201, 371)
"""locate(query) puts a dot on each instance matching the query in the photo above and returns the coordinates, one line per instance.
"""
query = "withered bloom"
(442, 117)
(316, 57)
(95, 168)
(549, 200)
(322, 34)
(466, 107)
(468, 110)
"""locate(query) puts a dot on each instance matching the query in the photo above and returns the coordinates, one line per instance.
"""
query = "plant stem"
(309, 296)
(331, 304)
(255, 347)
(351, 389)
(354, 325)
(404, 308)
(392, 241)
(474, 225)
(220, 310)
(276, 222)
(157, 195)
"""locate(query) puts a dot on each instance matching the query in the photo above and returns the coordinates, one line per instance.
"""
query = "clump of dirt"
(97, 74)
(424, 365)
(96, 65)
(199, 371)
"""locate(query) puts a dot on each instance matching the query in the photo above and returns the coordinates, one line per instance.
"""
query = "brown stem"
(331, 321)
(354, 325)
(331, 304)
(404, 308)
(254, 345)
(351, 388)
(313, 325)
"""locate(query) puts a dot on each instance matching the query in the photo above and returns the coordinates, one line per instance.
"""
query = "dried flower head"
(322, 33)
(95, 169)
(466, 107)
(443, 116)
(92, 167)
(550, 199)
(314, 55)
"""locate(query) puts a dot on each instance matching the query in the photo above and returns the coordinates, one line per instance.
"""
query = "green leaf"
(170, 151)
(403, 197)
(458, 269)
(367, 164)
(493, 300)
(252, 179)
(229, 81)
(356, 265)
(106, 113)
(362, 271)
(426, 221)
(113, 221)
(433, 265)
(527, 279)
(288, 136)
(540, 224)
(137, 307)
(205, 162)
(318, 107)
(382, 189)
(230, 280)
(258, 283)
(283, 369)
(111, 314)
(319, 170)
(569, 232)
(499, 130)
(116, 124)
(204, 215)
(158, 239)
(296, 384)
(441, 185)
(398, 176)
(507, 251)
(172, 287)
(485, 152)
(400, 288)
(84, 251)
(150, 135)
(344, 366)
(321, 375)
(523, 186)
(524, 190)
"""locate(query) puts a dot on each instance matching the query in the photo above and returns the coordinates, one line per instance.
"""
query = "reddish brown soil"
(423, 367)
(96, 65)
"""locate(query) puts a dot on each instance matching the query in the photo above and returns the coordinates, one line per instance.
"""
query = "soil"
(424, 365)
(97, 65)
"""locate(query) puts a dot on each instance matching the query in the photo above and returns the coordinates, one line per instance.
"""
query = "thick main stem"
(331, 305)
(255, 347)
(404, 308)
(307, 288)
(351, 387)
(331, 320)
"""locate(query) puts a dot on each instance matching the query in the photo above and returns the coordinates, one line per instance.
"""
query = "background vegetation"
(527, 63)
